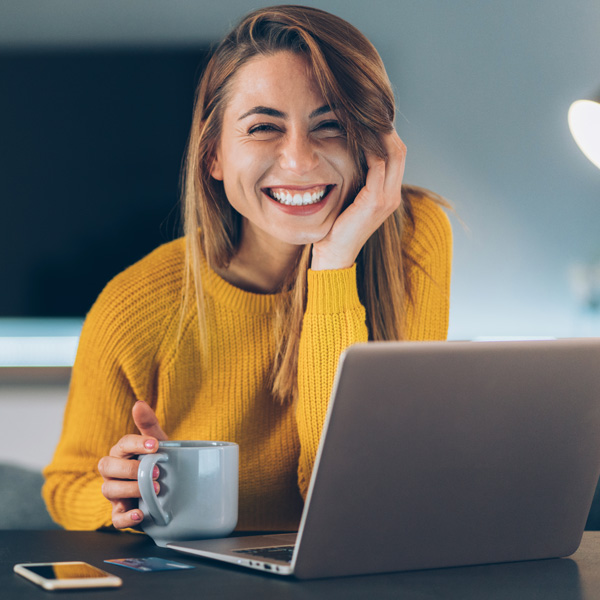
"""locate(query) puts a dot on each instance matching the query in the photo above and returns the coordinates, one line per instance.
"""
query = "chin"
(302, 238)
(302, 234)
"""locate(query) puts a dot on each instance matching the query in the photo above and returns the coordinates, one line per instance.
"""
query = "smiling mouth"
(295, 197)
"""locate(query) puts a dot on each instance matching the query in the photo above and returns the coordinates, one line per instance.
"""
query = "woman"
(300, 240)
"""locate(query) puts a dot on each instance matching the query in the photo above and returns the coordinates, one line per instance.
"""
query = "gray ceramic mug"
(198, 495)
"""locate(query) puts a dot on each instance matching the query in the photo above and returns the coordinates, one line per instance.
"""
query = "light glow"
(584, 123)
(38, 342)
(33, 351)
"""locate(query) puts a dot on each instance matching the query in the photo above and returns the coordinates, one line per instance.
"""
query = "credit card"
(152, 563)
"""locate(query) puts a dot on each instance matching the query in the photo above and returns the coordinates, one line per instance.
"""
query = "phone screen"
(67, 571)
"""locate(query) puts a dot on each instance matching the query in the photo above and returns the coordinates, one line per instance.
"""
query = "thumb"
(145, 420)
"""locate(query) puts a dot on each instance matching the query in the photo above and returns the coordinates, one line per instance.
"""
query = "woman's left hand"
(375, 202)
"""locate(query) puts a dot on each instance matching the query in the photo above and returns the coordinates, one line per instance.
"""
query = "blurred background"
(95, 106)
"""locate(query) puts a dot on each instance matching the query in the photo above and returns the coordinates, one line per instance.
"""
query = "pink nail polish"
(155, 472)
(135, 516)
(156, 487)
(149, 444)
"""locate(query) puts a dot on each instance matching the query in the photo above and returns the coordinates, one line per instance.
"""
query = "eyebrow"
(271, 112)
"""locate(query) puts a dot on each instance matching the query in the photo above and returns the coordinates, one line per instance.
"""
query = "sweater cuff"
(332, 291)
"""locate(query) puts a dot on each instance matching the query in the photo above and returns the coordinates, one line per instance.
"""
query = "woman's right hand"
(119, 469)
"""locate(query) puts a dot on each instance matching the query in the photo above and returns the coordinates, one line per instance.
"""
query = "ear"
(216, 170)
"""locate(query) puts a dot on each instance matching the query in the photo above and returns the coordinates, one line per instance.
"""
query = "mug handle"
(146, 483)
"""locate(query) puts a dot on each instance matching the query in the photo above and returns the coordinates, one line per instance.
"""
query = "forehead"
(283, 78)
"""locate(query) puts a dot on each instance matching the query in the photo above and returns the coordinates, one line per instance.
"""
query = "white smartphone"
(66, 575)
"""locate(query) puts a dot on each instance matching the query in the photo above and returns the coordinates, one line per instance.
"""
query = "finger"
(374, 162)
(131, 445)
(118, 489)
(396, 159)
(118, 468)
(146, 421)
(393, 146)
(374, 200)
(123, 515)
(393, 143)
(121, 468)
(376, 173)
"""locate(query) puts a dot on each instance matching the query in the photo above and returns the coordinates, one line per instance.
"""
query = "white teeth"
(297, 199)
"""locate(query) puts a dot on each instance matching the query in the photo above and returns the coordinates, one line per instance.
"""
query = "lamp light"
(584, 123)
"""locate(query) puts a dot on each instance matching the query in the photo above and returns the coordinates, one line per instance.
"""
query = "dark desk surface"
(577, 577)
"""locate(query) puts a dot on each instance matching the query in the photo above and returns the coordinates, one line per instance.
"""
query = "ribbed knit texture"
(128, 351)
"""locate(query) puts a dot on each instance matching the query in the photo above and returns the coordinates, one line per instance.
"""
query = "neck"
(261, 264)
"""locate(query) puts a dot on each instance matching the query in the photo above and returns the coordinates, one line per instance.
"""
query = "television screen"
(91, 148)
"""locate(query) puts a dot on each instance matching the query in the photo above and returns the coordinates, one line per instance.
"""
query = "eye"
(330, 129)
(330, 125)
(263, 130)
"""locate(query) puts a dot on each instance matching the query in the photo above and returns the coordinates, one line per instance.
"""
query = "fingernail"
(155, 472)
(156, 487)
(149, 444)
(135, 516)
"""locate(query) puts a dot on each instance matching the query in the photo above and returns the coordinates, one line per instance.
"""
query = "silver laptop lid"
(453, 453)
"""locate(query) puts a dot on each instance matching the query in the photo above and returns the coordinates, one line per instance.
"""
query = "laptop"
(443, 454)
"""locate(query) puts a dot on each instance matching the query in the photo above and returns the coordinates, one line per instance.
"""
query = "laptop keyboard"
(282, 553)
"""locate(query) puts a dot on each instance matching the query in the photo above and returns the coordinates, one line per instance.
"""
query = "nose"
(298, 154)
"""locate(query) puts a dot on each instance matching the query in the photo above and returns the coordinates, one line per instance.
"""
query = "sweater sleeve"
(430, 246)
(96, 417)
(335, 319)
(115, 366)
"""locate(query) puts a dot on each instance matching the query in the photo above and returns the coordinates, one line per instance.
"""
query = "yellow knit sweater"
(128, 352)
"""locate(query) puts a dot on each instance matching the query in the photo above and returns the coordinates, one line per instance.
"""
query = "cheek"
(244, 172)
(248, 162)
(338, 155)
(343, 163)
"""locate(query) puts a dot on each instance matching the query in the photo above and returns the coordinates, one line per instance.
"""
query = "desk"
(577, 577)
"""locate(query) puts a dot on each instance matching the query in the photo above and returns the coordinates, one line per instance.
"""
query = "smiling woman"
(300, 240)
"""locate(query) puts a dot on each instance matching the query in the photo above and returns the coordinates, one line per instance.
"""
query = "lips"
(298, 196)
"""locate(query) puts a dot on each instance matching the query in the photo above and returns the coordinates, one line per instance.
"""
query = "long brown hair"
(353, 81)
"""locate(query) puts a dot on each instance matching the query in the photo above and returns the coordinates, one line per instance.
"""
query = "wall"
(483, 90)
(34, 417)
